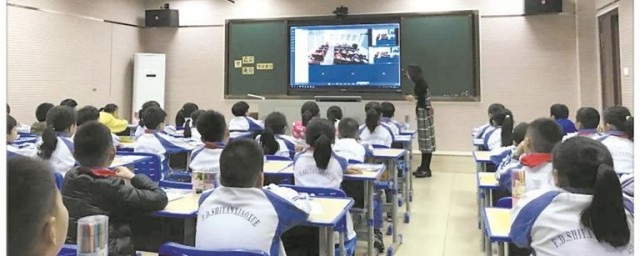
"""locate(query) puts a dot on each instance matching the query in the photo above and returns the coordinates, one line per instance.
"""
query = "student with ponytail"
(479, 132)
(145, 106)
(502, 134)
(334, 114)
(184, 115)
(373, 131)
(309, 110)
(109, 117)
(273, 139)
(585, 216)
(56, 145)
(190, 130)
(618, 138)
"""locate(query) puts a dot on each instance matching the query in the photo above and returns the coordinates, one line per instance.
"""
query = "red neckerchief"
(584, 132)
(535, 159)
(149, 131)
(212, 145)
(617, 133)
(103, 172)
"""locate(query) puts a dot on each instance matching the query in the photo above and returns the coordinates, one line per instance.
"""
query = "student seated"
(90, 113)
(93, 189)
(190, 128)
(273, 140)
(388, 111)
(585, 216)
(109, 117)
(534, 153)
(373, 131)
(213, 129)
(155, 141)
(478, 132)
(242, 214)
(56, 145)
(503, 157)
(24, 150)
(309, 111)
(334, 114)
(140, 129)
(587, 121)
(69, 103)
(36, 217)
(184, 114)
(243, 125)
(41, 116)
(348, 144)
(618, 138)
(502, 133)
(560, 114)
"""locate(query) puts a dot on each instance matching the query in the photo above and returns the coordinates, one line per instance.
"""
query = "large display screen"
(356, 56)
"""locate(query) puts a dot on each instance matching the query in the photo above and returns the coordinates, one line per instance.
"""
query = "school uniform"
(492, 139)
(62, 159)
(508, 162)
(621, 149)
(497, 155)
(139, 131)
(249, 218)
(392, 124)
(351, 149)
(240, 126)
(567, 125)
(172, 130)
(38, 127)
(160, 143)
(381, 135)
(307, 174)
(287, 145)
(549, 223)
(478, 132)
(589, 133)
(538, 172)
(22, 150)
(207, 159)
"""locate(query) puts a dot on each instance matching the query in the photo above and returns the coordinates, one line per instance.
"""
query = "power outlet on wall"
(625, 71)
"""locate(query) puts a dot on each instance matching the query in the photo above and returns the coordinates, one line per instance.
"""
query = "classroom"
(301, 127)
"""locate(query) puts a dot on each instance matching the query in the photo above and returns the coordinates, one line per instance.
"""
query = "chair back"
(277, 158)
(59, 180)
(505, 202)
(175, 184)
(68, 250)
(152, 167)
(175, 249)
(379, 146)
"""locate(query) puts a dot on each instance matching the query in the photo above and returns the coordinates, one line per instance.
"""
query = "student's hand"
(520, 149)
(600, 129)
(124, 172)
(353, 170)
(299, 148)
(409, 98)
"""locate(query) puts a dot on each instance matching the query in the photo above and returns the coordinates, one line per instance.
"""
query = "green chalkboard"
(266, 42)
(444, 45)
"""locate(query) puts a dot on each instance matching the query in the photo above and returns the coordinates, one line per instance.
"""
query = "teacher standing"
(424, 115)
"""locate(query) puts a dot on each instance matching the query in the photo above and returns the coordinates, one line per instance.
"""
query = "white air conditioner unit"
(148, 81)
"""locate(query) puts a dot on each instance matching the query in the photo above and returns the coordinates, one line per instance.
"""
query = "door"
(610, 59)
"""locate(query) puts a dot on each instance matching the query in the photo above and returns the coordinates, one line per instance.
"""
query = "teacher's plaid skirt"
(426, 131)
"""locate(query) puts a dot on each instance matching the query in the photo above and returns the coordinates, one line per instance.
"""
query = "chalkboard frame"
(366, 96)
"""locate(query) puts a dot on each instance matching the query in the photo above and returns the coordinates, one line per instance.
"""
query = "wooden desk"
(481, 156)
(402, 138)
(487, 181)
(280, 168)
(387, 153)
(333, 211)
(391, 157)
(498, 225)
(478, 142)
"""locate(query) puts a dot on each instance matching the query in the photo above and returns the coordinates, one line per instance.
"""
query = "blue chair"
(59, 180)
(505, 202)
(349, 246)
(151, 167)
(174, 249)
(379, 146)
(71, 250)
(175, 184)
(277, 158)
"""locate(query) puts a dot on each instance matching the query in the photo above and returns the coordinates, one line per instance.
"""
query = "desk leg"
(190, 231)
(322, 241)
(481, 220)
(343, 251)
(369, 187)
(406, 191)
(394, 208)
(488, 251)
(331, 249)
(501, 246)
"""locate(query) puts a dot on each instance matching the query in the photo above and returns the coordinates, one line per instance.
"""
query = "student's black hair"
(211, 126)
(241, 163)
(11, 123)
(585, 165)
(189, 125)
(145, 106)
(31, 198)
(153, 117)
(545, 134)
(86, 114)
(621, 118)
(493, 108)
(388, 109)
(185, 112)
(559, 111)
(308, 111)
(348, 128)
(240, 108)
(504, 118)
(109, 108)
(69, 102)
(519, 132)
(334, 114)
(373, 115)
(92, 143)
(320, 134)
(275, 123)
(59, 119)
(588, 117)
(41, 111)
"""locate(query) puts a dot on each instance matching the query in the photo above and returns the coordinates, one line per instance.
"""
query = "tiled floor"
(443, 217)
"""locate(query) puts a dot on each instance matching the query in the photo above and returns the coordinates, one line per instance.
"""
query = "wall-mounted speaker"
(161, 18)
(542, 6)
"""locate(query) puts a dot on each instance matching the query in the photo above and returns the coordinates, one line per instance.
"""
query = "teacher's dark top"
(420, 90)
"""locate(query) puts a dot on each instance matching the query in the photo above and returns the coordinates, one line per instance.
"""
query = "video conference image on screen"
(363, 56)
